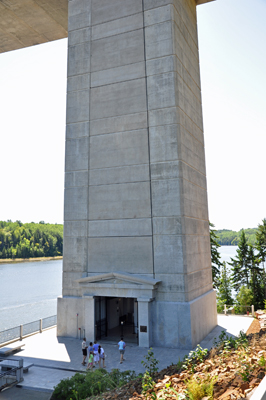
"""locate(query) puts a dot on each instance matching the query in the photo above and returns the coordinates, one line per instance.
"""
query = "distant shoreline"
(21, 260)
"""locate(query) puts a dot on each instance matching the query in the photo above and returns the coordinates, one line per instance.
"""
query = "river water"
(29, 291)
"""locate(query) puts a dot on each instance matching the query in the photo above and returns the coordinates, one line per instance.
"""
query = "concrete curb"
(260, 392)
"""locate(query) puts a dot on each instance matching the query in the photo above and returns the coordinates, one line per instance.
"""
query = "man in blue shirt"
(121, 347)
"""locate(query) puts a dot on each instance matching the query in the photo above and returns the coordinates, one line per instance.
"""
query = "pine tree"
(261, 240)
(240, 268)
(224, 295)
(256, 278)
(215, 256)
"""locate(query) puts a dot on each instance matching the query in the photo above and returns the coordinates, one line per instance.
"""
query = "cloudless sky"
(232, 36)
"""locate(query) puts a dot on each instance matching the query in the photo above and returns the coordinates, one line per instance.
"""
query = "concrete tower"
(136, 233)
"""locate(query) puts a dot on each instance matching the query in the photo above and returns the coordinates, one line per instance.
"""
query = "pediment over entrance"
(118, 284)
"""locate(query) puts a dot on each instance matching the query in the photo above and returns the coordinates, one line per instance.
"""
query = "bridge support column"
(135, 182)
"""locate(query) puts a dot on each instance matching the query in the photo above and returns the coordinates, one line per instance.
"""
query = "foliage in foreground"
(18, 240)
(196, 379)
(91, 383)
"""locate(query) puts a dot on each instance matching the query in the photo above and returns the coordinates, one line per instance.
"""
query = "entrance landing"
(59, 358)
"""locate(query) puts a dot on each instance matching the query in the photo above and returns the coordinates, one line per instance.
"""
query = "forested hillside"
(18, 240)
(231, 238)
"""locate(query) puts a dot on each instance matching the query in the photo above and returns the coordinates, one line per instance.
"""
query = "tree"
(224, 295)
(244, 298)
(240, 269)
(261, 240)
(215, 256)
(256, 275)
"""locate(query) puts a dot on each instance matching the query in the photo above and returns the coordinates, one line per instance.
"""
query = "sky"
(232, 36)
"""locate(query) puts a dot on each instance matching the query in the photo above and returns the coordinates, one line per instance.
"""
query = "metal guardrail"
(12, 375)
(19, 332)
(238, 310)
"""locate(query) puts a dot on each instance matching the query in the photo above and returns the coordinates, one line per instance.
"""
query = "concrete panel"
(74, 196)
(195, 210)
(106, 176)
(79, 82)
(164, 143)
(106, 10)
(130, 200)
(194, 226)
(77, 130)
(198, 281)
(165, 170)
(118, 26)
(158, 15)
(118, 149)
(118, 99)
(75, 229)
(193, 192)
(115, 51)
(167, 225)
(133, 255)
(78, 59)
(191, 151)
(170, 296)
(164, 116)
(70, 287)
(192, 175)
(203, 316)
(67, 310)
(166, 198)
(77, 154)
(172, 327)
(79, 14)
(144, 320)
(77, 106)
(173, 64)
(76, 178)
(171, 283)
(158, 40)
(122, 227)
(161, 91)
(79, 36)
(118, 74)
(122, 123)
(168, 254)
(75, 252)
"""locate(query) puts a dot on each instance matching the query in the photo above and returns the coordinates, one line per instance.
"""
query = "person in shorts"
(101, 356)
(121, 348)
(84, 351)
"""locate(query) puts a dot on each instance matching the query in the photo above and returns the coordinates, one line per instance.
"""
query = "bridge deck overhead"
(25, 23)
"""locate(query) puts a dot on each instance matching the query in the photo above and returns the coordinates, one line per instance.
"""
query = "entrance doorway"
(116, 317)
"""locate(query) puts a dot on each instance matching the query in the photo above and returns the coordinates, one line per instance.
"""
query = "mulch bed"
(238, 373)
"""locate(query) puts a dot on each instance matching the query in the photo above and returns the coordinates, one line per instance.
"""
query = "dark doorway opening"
(116, 317)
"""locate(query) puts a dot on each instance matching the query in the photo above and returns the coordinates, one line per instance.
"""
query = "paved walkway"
(55, 358)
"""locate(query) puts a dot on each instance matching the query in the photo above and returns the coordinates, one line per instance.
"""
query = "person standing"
(121, 347)
(101, 356)
(95, 352)
(90, 363)
(84, 351)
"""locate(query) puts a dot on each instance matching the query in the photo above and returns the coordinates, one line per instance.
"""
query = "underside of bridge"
(25, 23)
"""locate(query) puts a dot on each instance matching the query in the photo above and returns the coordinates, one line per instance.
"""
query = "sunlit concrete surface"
(55, 358)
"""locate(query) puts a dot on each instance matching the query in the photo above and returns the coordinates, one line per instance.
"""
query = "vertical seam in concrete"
(148, 131)
(89, 135)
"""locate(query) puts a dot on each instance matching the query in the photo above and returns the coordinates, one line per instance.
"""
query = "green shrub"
(91, 383)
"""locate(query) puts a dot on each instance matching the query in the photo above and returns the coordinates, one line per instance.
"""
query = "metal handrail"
(22, 331)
